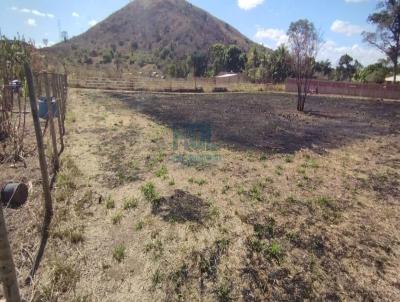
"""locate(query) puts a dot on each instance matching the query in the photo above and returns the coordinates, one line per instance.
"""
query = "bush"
(107, 58)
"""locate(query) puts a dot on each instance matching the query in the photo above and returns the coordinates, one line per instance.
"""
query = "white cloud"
(249, 4)
(31, 22)
(37, 13)
(346, 28)
(41, 44)
(92, 22)
(75, 14)
(274, 35)
(364, 54)
(33, 12)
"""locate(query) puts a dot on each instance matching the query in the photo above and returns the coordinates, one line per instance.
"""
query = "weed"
(255, 192)
(225, 189)
(65, 184)
(156, 247)
(199, 182)
(301, 170)
(213, 212)
(116, 218)
(63, 277)
(269, 180)
(156, 278)
(162, 172)
(222, 244)
(83, 203)
(274, 251)
(265, 230)
(171, 182)
(73, 234)
(241, 190)
(223, 292)
(109, 202)
(256, 245)
(157, 158)
(119, 252)
(130, 203)
(133, 165)
(149, 192)
(292, 236)
(291, 199)
(325, 202)
(139, 226)
(289, 158)
(279, 170)
(310, 163)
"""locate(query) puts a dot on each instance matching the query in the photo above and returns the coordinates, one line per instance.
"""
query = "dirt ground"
(226, 197)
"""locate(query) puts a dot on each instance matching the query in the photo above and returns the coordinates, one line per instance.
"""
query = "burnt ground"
(265, 122)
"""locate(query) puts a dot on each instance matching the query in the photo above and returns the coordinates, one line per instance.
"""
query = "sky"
(340, 22)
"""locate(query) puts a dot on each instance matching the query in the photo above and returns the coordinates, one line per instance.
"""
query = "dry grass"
(253, 225)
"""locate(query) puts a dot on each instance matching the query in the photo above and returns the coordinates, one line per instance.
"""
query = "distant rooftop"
(391, 79)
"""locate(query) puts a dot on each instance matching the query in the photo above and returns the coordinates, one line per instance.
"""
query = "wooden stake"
(48, 205)
(8, 275)
(59, 106)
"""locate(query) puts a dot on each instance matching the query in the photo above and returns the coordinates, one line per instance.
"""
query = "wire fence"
(46, 94)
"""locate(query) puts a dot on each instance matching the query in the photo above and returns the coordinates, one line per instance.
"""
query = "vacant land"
(231, 197)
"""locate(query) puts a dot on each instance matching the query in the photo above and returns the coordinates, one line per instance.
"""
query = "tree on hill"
(387, 34)
(217, 58)
(198, 61)
(234, 60)
(304, 42)
(118, 60)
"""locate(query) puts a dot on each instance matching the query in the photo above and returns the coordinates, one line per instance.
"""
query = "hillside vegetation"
(147, 32)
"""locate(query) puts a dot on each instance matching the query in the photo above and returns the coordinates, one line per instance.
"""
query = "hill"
(150, 31)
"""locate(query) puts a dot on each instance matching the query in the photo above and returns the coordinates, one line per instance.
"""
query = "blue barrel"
(43, 111)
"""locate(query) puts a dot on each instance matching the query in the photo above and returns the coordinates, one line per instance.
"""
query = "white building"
(390, 79)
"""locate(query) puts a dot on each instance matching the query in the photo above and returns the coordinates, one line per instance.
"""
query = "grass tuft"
(119, 253)
(130, 203)
(149, 192)
(116, 218)
(109, 202)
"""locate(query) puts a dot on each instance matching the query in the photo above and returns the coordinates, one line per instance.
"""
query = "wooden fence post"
(7, 267)
(48, 205)
(57, 94)
(50, 115)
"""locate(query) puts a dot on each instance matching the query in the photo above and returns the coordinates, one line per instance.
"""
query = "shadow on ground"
(270, 122)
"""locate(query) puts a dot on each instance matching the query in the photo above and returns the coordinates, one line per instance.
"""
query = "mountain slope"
(167, 28)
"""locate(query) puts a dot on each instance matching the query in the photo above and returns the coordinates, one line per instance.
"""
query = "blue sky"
(264, 21)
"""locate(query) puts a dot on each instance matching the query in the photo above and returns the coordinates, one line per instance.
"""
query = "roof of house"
(228, 75)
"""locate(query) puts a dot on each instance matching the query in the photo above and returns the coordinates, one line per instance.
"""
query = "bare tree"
(304, 42)
(387, 35)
